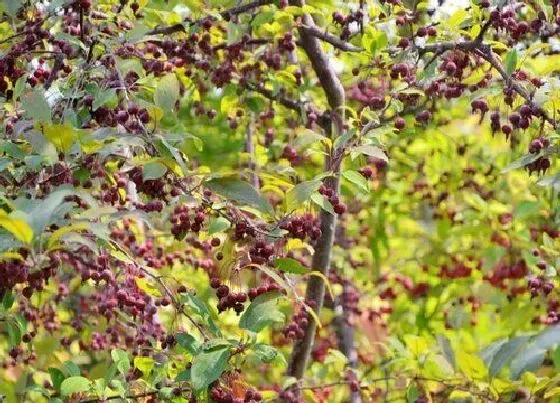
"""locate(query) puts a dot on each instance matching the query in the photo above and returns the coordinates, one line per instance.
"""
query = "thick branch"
(323, 248)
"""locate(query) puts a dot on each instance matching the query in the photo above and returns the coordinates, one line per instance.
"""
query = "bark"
(322, 256)
(345, 336)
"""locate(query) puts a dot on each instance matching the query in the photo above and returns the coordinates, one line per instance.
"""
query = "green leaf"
(219, 224)
(380, 42)
(511, 62)
(184, 376)
(550, 180)
(166, 150)
(529, 359)
(548, 337)
(341, 141)
(188, 342)
(144, 364)
(56, 377)
(288, 265)
(506, 353)
(412, 394)
(447, 349)
(120, 358)
(71, 369)
(14, 333)
(153, 170)
(521, 162)
(11, 7)
(167, 92)
(241, 192)
(74, 384)
(200, 308)
(46, 210)
(301, 193)
(8, 300)
(36, 106)
(556, 358)
(322, 202)
(265, 353)
(102, 97)
(357, 179)
(208, 366)
(262, 312)
(255, 103)
(20, 86)
(369, 150)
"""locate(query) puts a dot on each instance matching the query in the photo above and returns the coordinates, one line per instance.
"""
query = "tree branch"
(289, 103)
(315, 291)
(226, 15)
(330, 38)
(485, 51)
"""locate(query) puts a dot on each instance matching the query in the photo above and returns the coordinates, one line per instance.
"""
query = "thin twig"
(331, 38)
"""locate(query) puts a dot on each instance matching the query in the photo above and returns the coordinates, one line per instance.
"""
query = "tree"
(235, 201)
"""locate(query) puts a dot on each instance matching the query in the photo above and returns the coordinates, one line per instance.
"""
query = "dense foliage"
(270, 200)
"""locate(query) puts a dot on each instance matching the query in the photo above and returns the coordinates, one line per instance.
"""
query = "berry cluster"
(243, 229)
(300, 227)
(296, 328)
(503, 271)
(291, 155)
(261, 252)
(346, 20)
(226, 298)
(220, 394)
(338, 207)
(537, 285)
(181, 220)
(538, 144)
(254, 292)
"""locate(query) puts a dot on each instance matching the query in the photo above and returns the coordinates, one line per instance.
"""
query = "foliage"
(200, 197)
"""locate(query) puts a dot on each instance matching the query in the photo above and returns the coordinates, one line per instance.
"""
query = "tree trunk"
(322, 256)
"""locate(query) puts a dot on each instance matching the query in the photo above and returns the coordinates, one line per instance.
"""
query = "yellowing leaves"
(471, 365)
(416, 345)
(61, 136)
(457, 18)
(147, 287)
(17, 227)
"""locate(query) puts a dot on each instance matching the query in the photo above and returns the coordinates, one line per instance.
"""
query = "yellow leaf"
(313, 315)
(155, 112)
(503, 386)
(552, 392)
(148, 288)
(457, 18)
(17, 227)
(471, 365)
(475, 30)
(62, 136)
(11, 255)
(55, 237)
(416, 345)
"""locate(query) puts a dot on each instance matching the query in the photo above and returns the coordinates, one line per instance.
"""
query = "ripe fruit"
(400, 123)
